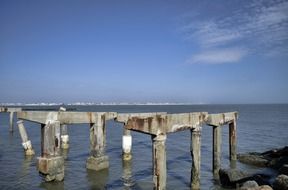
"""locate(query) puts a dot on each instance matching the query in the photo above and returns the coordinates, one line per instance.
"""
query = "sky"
(198, 52)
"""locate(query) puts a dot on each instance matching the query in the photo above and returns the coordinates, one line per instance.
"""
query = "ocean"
(259, 128)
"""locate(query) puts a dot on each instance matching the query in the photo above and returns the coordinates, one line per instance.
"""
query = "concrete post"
(64, 133)
(51, 163)
(97, 159)
(26, 143)
(216, 149)
(11, 128)
(126, 145)
(196, 157)
(233, 141)
(159, 162)
(64, 137)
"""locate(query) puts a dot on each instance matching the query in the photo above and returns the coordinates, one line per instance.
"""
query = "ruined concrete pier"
(157, 125)
(11, 112)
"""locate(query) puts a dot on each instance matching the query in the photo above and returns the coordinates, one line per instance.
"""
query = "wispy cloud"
(218, 56)
(261, 27)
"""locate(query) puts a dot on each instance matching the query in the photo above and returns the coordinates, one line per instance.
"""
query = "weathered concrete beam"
(150, 123)
(221, 118)
(64, 117)
(183, 121)
(162, 123)
(8, 109)
(124, 117)
(159, 162)
(51, 163)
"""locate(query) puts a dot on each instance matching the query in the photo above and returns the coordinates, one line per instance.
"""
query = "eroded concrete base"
(126, 156)
(98, 163)
(51, 168)
(29, 152)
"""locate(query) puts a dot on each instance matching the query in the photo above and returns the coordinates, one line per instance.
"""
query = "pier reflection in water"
(128, 181)
(97, 179)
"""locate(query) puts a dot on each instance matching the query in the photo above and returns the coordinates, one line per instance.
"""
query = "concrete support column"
(64, 133)
(126, 144)
(159, 162)
(11, 127)
(216, 149)
(26, 143)
(233, 141)
(196, 157)
(97, 159)
(51, 164)
(64, 137)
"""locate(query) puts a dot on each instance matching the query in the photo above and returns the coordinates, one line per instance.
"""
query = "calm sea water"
(260, 127)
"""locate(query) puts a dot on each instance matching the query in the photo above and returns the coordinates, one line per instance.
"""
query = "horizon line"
(134, 103)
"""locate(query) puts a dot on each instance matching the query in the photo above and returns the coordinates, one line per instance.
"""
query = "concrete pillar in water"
(51, 163)
(196, 157)
(26, 143)
(159, 162)
(216, 149)
(64, 133)
(11, 127)
(97, 159)
(64, 137)
(126, 144)
(233, 141)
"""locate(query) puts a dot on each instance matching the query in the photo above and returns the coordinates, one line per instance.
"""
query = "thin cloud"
(218, 56)
(259, 26)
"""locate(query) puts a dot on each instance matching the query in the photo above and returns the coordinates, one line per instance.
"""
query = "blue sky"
(144, 51)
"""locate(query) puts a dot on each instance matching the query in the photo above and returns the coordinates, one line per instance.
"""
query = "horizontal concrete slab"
(6, 109)
(220, 119)
(162, 123)
(64, 117)
(154, 123)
